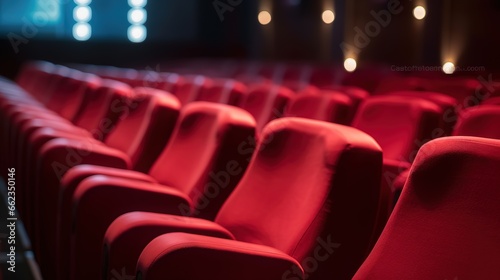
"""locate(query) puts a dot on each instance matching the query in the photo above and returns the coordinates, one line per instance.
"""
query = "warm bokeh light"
(419, 12)
(448, 68)
(350, 64)
(328, 16)
(264, 17)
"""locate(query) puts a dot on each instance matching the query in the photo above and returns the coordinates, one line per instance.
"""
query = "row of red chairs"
(285, 218)
(339, 104)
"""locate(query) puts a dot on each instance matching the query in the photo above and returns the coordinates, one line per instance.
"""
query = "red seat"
(450, 199)
(294, 197)
(224, 91)
(103, 107)
(401, 125)
(480, 121)
(28, 75)
(198, 169)
(191, 88)
(331, 107)
(491, 101)
(144, 125)
(447, 104)
(170, 82)
(266, 103)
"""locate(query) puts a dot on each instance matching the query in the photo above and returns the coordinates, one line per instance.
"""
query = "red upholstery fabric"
(130, 233)
(169, 82)
(398, 124)
(266, 103)
(491, 101)
(55, 158)
(312, 184)
(201, 162)
(331, 107)
(357, 95)
(401, 125)
(447, 104)
(191, 88)
(145, 126)
(224, 91)
(103, 108)
(168, 255)
(75, 102)
(319, 193)
(480, 121)
(451, 198)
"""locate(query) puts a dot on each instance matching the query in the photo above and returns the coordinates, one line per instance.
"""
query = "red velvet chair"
(190, 177)
(481, 121)
(267, 102)
(445, 225)
(491, 101)
(331, 107)
(310, 192)
(401, 125)
(447, 104)
(189, 90)
(224, 91)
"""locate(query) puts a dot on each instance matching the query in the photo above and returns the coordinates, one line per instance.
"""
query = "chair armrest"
(130, 233)
(56, 157)
(189, 256)
(69, 184)
(98, 201)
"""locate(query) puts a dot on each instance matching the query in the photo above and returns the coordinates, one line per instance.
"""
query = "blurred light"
(328, 16)
(82, 13)
(448, 68)
(83, 2)
(137, 16)
(137, 33)
(137, 3)
(82, 31)
(419, 12)
(350, 64)
(264, 17)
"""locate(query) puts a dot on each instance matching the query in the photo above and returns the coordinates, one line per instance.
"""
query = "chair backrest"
(191, 88)
(75, 102)
(170, 82)
(445, 224)
(103, 107)
(309, 183)
(203, 158)
(331, 107)
(357, 95)
(491, 101)
(448, 105)
(28, 74)
(145, 126)
(267, 102)
(480, 121)
(399, 124)
(48, 83)
(224, 91)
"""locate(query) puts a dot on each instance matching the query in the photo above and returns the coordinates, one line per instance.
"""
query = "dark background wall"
(463, 31)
